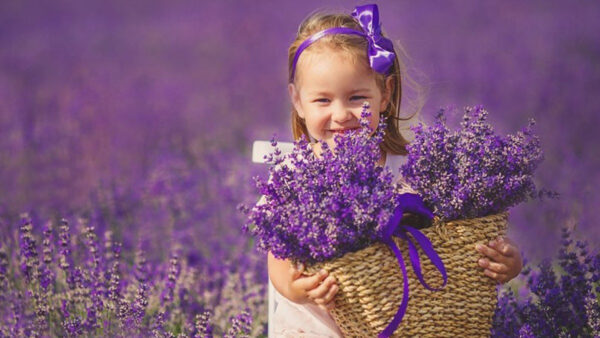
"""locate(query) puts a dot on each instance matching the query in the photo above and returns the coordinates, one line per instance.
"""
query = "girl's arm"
(298, 288)
(503, 261)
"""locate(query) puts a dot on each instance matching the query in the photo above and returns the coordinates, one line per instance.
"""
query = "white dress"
(289, 319)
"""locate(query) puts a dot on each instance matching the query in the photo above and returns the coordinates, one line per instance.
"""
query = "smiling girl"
(336, 63)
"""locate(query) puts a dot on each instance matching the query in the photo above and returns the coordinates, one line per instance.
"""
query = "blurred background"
(140, 115)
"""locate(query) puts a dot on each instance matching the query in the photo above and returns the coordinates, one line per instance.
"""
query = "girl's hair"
(393, 142)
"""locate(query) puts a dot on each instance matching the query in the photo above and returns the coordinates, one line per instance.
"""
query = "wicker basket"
(370, 285)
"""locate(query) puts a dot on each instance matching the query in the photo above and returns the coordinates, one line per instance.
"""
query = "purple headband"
(380, 51)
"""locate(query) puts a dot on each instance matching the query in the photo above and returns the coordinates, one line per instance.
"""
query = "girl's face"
(330, 89)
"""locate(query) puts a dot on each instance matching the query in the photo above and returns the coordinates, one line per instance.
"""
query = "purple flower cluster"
(83, 285)
(240, 325)
(472, 172)
(318, 208)
(551, 304)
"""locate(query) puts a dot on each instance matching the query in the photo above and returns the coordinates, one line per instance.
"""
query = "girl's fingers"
(320, 292)
(312, 282)
(493, 266)
(490, 252)
(329, 295)
(509, 250)
(499, 277)
(503, 261)
(505, 246)
(328, 306)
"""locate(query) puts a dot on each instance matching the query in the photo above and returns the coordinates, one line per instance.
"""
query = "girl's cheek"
(374, 123)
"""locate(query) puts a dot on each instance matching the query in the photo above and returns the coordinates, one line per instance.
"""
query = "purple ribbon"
(414, 204)
(380, 50)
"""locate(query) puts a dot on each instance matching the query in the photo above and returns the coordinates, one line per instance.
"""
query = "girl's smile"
(342, 130)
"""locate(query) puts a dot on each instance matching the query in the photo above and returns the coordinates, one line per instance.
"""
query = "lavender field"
(125, 146)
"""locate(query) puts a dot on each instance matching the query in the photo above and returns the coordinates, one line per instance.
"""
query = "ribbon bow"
(414, 204)
(380, 51)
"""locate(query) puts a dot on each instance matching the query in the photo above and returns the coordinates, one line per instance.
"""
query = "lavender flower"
(141, 266)
(320, 208)
(91, 241)
(202, 324)
(140, 303)
(73, 326)
(42, 310)
(507, 321)
(65, 252)
(47, 275)
(472, 172)
(592, 311)
(96, 281)
(47, 247)
(3, 271)
(174, 270)
(554, 304)
(525, 332)
(91, 320)
(29, 257)
(158, 329)
(240, 325)
(114, 284)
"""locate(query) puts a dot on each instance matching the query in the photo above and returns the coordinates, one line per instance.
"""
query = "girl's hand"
(503, 261)
(318, 288)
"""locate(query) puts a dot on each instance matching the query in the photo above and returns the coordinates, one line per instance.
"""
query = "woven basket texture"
(370, 285)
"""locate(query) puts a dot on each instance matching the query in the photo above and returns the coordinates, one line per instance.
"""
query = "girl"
(337, 62)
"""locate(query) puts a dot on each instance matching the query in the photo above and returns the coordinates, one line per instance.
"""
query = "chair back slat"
(260, 149)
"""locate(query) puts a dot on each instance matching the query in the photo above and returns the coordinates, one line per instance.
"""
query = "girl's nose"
(341, 113)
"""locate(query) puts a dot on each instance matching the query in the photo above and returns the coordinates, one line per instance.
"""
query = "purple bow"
(414, 204)
(380, 51)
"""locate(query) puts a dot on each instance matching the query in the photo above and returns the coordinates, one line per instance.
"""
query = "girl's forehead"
(321, 62)
(323, 52)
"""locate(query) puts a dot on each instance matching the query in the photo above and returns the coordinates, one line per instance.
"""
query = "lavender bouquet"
(472, 172)
(319, 208)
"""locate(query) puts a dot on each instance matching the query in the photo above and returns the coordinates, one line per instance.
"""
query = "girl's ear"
(295, 98)
(387, 94)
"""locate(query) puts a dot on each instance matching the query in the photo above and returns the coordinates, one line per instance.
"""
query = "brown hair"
(393, 142)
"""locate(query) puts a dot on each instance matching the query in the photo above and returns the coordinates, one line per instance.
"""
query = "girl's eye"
(357, 97)
(322, 100)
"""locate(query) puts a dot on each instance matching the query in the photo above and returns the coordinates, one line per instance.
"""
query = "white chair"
(259, 150)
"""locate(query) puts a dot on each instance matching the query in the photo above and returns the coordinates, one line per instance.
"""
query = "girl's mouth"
(343, 131)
